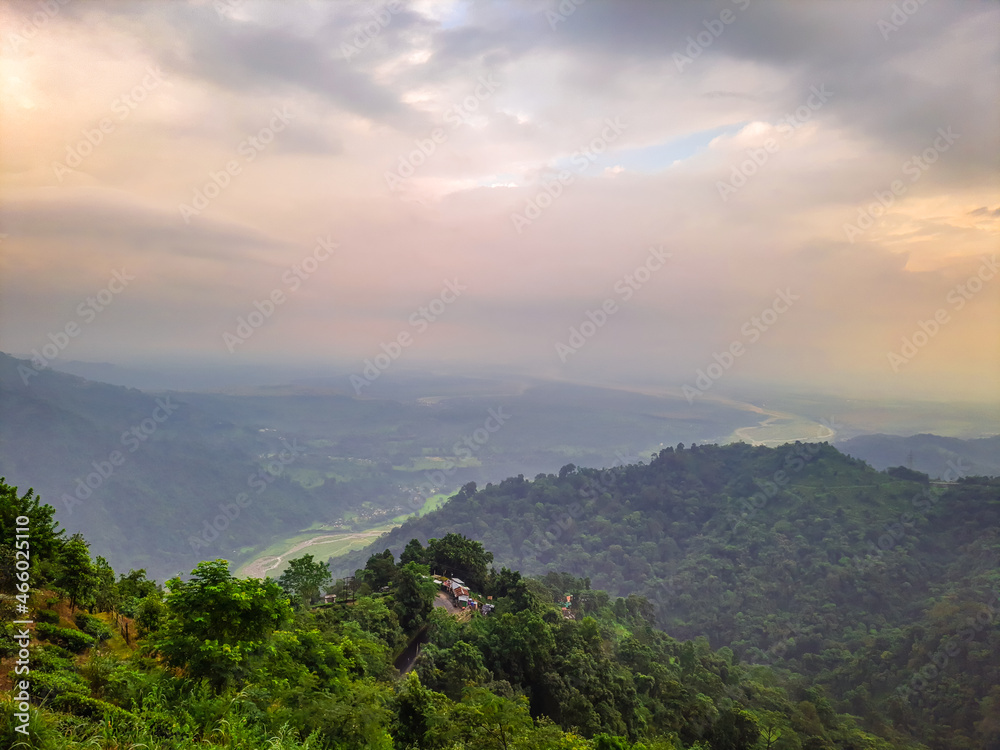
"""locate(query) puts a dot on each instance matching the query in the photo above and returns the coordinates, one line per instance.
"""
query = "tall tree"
(76, 574)
(46, 538)
(107, 595)
(413, 552)
(379, 570)
(461, 557)
(303, 579)
(414, 595)
(216, 623)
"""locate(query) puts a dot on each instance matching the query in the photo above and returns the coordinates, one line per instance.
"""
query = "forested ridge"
(117, 661)
(879, 587)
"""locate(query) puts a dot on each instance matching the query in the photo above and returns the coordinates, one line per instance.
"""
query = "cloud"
(370, 87)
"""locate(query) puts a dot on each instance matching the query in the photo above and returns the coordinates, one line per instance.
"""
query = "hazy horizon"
(707, 196)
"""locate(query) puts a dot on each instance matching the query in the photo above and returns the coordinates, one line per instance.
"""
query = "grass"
(308, 478)
(334, 547)
(430, 463)
(432, 503)
(320, 551)
(325, 550)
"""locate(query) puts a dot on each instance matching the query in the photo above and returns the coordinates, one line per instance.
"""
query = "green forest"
(117, 661)
(880, 588)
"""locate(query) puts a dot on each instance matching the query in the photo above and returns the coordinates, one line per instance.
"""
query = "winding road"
(263, 565)
(773, 417)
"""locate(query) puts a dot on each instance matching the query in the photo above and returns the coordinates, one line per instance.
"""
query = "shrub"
(47, 615)
(91, 708)
(74, 640)
(50, 685)
(50, 658)
(93, 626)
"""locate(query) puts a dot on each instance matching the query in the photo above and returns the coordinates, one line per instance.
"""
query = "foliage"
(216, 622)
(47, 615)
(73, 640)
(456, 556)
(46, 538)
(92, 626)
(842, 577)
(303, 579)
(413, 594)
(227, 664)
(76, 571)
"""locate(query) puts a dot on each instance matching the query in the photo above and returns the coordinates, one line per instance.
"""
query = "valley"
(731, 523)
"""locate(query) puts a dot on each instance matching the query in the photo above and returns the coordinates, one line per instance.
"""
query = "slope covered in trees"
(215, 661)
(878, 586)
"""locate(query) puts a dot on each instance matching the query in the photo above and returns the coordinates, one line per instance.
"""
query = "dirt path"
(262, 565)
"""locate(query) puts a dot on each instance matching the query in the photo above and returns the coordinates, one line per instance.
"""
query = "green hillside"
(215, 661)
(883, 590)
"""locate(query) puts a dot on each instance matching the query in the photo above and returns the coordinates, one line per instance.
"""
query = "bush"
(47, 615)
(91, 708)
(50, 658)
(93, 626)
(74, 640)
(50, 685)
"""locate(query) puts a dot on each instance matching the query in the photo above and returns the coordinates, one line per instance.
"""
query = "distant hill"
(361, 462)
(798, 554)
(931, 454)
(142, 475)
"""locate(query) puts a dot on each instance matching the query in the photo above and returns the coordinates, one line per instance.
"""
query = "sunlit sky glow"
(518, 95)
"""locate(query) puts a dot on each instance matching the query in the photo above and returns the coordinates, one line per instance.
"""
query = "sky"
(698, 196)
